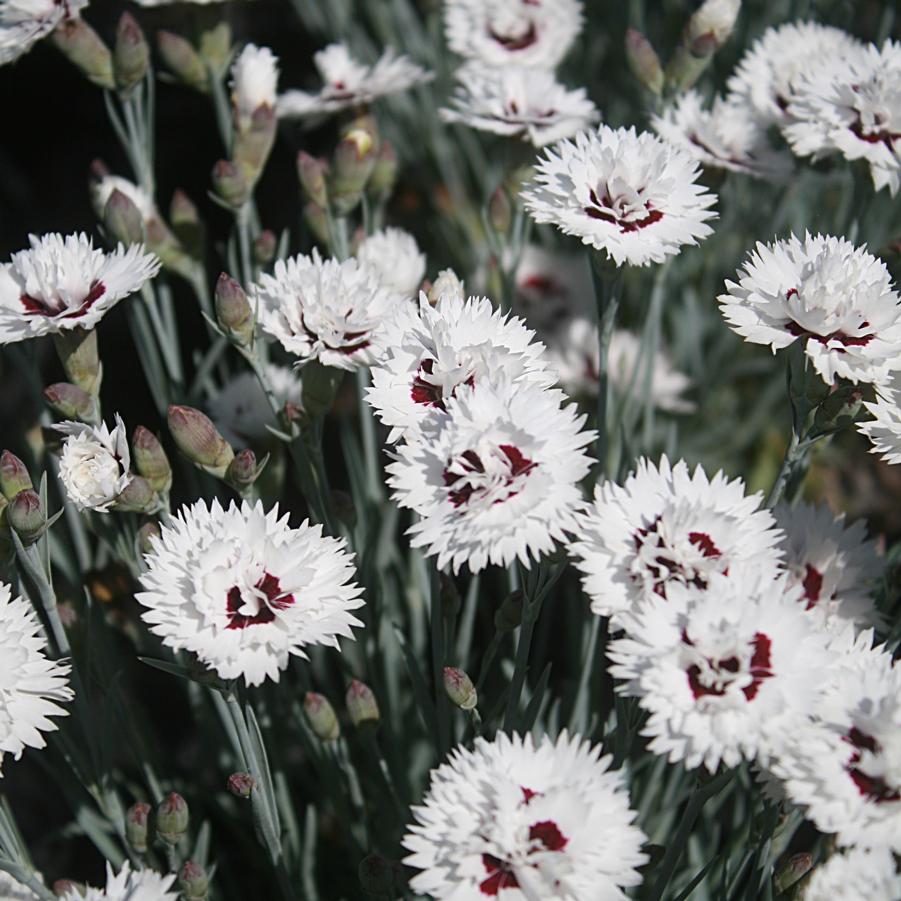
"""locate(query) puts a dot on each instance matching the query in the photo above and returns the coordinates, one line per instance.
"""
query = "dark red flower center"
(813, 585)
(471, 464)
(36, 307)
(846, 340)
(663, 567)
(874, 788)
(875, 134)
(350, 341)
(275, 599)
(500, 872)
(513, 42)
(428, 393)
(605, 210)
(715, 680)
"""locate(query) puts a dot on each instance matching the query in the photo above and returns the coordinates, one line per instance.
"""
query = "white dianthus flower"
(857, 874)
(128, 885)
(254, 82)
(394, 256)
(24, 22)
(884, 429)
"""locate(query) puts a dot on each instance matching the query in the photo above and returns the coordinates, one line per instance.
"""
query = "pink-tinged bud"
(362, 705)
(123, 220)
(794, 869)
(643, 61)
(82, 46)
(14, 475)
(193, 882)
(321, 716)
(148, 531)
(312, 173)
(183, 60)
(509, 615)
(72, 402)
(66, 888)
(384, 172)
(230, 184)
(172, 818)
(137, 818)
(182, 210)
(26, 517)
(352, 165)
(459, 688)
(376, 875)
(198, 440)
(137, 497)
(241, 784)
(500, 211)
(233, 310)
(150, 459)
(131, 55)
(77, 351)
(264, 247)
(253, 145)
(242, 472)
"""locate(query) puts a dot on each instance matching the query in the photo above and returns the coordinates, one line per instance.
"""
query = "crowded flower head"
(629, 194)
(65, 283)
(24, 22)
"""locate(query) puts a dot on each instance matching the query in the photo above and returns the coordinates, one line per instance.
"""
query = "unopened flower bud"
(362, 705)
(137, 497)
(254, 144)
(136, 821)
(26, 517)
(233, 310)
(172, 818)
(147, 532)
(321, 716)
(123, 220)
(82, 46)
(72, 402)
(193, 882)
(643, 61)
(14, 475)
(352, 165)
(500, 211)
(312, 172)
(215, 46)
(509, 615)
(66, 888)
(446, 285)
(183, 60)
(242, 472)
(186, 222)
(230, 183)
(314, 216)
(241, 784)
(376, 875)
(384, 172)
(150, 459)
(714, 18)
(264, 247)
(459, 688)
(198, 439)
(77, 350)
(131, 55)
(795, 868)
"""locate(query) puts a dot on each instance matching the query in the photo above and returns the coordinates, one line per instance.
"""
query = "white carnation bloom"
(860, 873)
(64, 283)
(94, 463)
(726, 673)
(834, 563)
(765, 76)
(525, 822)
(725, 136)
(519, 102)
(323, 310)
(834, 296)
(31, 686)
(129, 885)
(244, 591)
(431, 351)
(632, 195)
(241, 409)
(667, 527)
(254, 81)
(884, 429)
(102, 189)
(447, 284)
(534, 33)
(498, 478)
(347, 82)
(575, 356)
(24, 22)
(394, 256)
(852, 105)
(552, 286)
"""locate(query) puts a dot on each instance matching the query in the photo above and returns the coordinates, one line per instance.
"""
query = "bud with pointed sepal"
(352, 165)
(72, 402)
(77, 350)
(500, 211)
(243, 471)
(186, 222)
(131, 55)
(321, 716)
(230, 183)
(150, 459)
(459, 688)
(83, 47)
(183, 60)
(137, 819)
(312, 173)
(172, 818)
(26, 517)
(146, 534)
(137, 497)
(241, 784)
(643, 61)
(123, 220)
(198, 439)
(362, 705)
(14, 476)
(193, 882)
(264, 247)
(254, 144)
(233, 310)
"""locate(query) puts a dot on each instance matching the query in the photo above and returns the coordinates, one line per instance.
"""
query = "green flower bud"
(71, 402)
(362, 705)
(198, 440)
(242, 472)
(123, 220)
(184, 61)
(264, 246)
(241, 784)
(500, 211)
(186, 222)
(254, 144)
(459, 688)
(25, 515)
(131, 55)
(376, 875)
(312, 173)
(233, 310)
(643, 61)
(352, 165)
(14, 475)
(145, 533)
(172, 818)
(137, 497)
(77, 350)
(321, 716)
(82, 46)
(230, 183)
(150, 459)
(194, 882)
(384, 172)
(136, 819)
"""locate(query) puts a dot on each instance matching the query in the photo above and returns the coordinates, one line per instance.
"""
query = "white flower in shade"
(64, 283)
(525, 822)
(852, 105)
(102, 189)
(552, 286)
(834, 296)
(241, 409)
(394, 256)
(857, 874)
(31, 686)
(431, 351)
(323, 310)
(725, 673)
(11, 890)
(667, 527)
(574, 354)
(632, 195)
(447, 284)
(884, 429)
(129, 885)
(244, 591)
(347, 82)
(725, 136)
(764, 78)
(94, 463)
(834, 563)
(254, 82)
(24, 22)
(497, 479)
(534, 33)
(845, 766)
(526, 103)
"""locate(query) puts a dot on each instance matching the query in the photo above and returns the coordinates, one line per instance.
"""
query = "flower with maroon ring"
(666, 527)
(244, 591)
(632, 195)
(501, 33)
(526, 103)
(850, 104)
(64, 283)
(430, 351)
(516, 819)
(323, 310)
(725, 673)
(859, 873)
(837, 298)
(24, 22)
(834, 563)
(496, 476)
